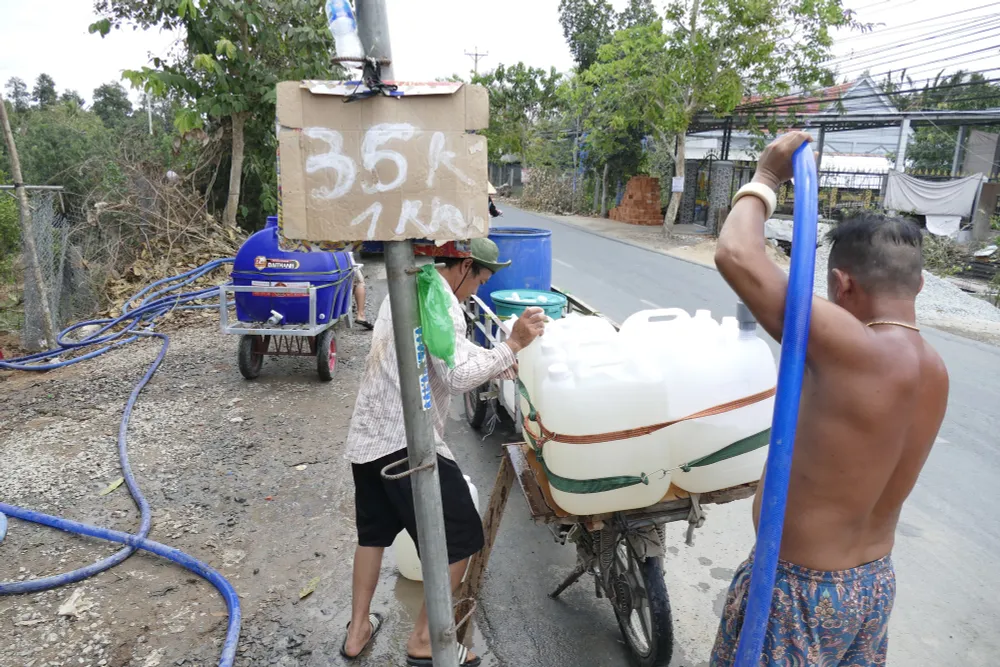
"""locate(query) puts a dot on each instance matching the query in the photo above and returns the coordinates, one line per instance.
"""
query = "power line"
(921, 22)
(965, 30)
(870, 61)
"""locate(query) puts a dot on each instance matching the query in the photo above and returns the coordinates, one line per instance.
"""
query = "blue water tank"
(261, 263)
(530, 250)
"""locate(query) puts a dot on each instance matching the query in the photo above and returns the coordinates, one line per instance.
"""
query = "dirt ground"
(246, 476)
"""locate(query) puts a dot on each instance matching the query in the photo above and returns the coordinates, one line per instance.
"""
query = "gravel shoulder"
(247, 477)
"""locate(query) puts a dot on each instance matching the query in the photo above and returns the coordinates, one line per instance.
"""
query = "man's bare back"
(873, 399)
(864, 434)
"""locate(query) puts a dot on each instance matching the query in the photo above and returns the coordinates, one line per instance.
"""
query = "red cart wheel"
(250, 360)
(326, 355)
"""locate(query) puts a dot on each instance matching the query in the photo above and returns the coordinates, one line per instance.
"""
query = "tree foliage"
(520, 97)
(236, 51)
(17, 93)
(111, 104)
(72, 97)
(44, 93)
(587, 25)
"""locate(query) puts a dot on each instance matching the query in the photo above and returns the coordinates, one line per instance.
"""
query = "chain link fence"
(63, 273)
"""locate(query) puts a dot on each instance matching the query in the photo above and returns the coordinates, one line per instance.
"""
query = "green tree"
(111, 104)
(44, 94)
(587, 25)
(236, 51)
(638, 12)
(520, 97)
(74, 98)
(718, 51)
(17, 93)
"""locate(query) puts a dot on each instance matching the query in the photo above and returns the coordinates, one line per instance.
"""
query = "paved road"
(948, 548)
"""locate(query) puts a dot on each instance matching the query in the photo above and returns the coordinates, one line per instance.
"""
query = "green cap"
(486, 253)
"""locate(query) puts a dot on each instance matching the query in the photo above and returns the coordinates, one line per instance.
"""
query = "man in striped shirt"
(377, 438)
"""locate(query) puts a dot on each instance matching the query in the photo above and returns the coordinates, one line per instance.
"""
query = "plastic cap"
(559, 372)
(746, 319)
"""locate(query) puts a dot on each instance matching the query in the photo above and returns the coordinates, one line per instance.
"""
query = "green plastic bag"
(435, 318)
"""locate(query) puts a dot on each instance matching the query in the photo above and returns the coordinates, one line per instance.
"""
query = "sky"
(51, 36)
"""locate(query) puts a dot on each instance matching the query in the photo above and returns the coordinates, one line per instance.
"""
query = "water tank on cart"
(260, 262)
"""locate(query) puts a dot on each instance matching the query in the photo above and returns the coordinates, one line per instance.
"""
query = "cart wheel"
(475, 407)
(250, 361)
(326, 355)
(642, 606)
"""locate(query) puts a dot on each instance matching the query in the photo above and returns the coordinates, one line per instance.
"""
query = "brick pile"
(641, 203)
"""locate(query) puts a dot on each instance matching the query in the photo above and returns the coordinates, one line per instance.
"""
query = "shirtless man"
(874, 398)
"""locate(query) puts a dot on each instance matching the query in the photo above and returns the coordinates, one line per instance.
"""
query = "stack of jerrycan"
(585, 380)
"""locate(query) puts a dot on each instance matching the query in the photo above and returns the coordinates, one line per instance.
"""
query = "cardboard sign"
(382, 169)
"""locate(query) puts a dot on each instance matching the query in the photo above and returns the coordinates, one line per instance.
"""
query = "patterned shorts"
(822, 619)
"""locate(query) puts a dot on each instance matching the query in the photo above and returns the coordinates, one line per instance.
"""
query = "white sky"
(430, 38)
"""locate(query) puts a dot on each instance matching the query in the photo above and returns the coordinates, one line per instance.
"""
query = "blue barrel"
(261, 263)
(530, 250)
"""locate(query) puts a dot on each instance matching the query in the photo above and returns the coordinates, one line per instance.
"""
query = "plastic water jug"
(739, 364)
(405, 551)
(344, 29)
(610, 390)
(568, 340)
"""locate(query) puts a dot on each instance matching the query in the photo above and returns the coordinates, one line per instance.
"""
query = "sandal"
(376, 621)
(365, 324)
(463, 659)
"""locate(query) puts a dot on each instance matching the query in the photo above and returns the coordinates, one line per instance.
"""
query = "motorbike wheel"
(642, 606)
(475, 407)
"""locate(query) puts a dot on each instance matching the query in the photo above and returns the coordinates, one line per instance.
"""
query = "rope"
(628, 434)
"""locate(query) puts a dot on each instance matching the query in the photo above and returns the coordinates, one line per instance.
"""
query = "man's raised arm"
(761, 284)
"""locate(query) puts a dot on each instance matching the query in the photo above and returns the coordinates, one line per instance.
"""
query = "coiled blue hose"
(134, 323)
(794, 341)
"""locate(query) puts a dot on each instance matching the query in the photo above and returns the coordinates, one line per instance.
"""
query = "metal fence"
(839, 191)
(63, 273)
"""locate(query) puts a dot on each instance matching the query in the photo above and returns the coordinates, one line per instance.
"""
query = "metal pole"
(414, 385)
(904, 139)
(820, 146)
(957, 158)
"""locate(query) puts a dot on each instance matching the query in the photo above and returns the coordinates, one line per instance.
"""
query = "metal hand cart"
(257, 339)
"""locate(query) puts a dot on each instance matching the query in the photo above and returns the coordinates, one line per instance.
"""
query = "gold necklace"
(890, 323)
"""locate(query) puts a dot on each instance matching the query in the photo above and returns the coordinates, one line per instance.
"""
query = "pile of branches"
(552, 191)
(150, 224)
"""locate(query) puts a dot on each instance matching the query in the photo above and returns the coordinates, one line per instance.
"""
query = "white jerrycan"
(609, 390)
(405, 551)
(737, 365)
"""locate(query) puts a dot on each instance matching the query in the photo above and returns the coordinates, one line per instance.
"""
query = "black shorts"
(384, 508)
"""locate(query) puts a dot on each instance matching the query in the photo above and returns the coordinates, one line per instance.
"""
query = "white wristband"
(761, 192)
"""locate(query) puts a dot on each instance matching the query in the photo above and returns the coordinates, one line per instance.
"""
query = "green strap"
(523, 391)
(603, 484)
(738, 448)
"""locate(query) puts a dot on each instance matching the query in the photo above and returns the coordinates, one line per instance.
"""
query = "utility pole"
(476, 57)
(373, 28)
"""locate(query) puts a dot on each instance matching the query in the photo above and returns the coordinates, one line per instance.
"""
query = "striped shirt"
(377, 426)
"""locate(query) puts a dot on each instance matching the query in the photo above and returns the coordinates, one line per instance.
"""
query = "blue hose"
(134, 542)
(134, 323)
(794, 341)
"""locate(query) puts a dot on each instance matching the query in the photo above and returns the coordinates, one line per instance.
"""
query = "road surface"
(948, 548)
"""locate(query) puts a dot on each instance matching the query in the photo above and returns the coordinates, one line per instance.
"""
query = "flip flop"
(365, 324)
(376, 621)
(463, 661)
